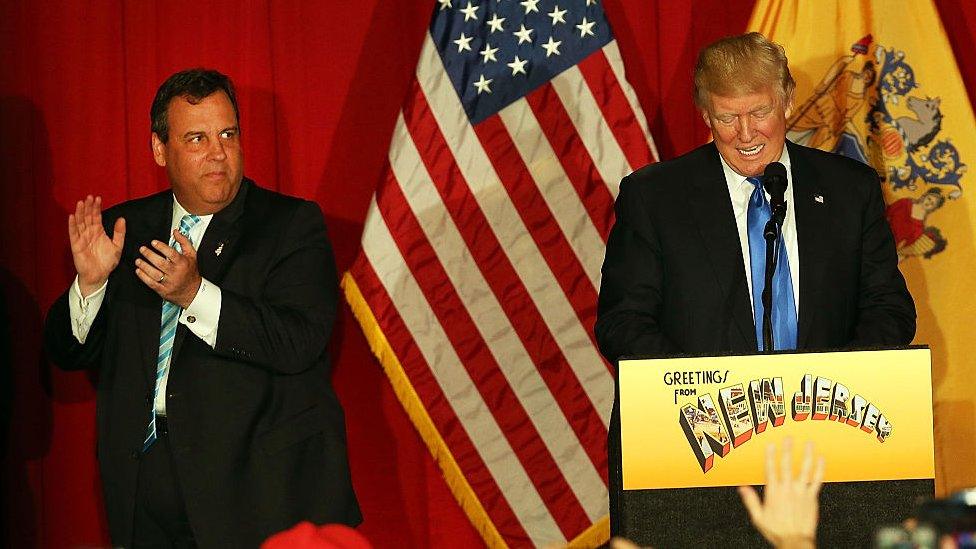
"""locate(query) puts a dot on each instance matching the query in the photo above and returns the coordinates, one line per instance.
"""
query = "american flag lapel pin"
(220, 247)
(818, 198)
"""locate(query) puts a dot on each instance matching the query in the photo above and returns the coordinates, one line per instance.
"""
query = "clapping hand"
(170, 273)
(95, 255)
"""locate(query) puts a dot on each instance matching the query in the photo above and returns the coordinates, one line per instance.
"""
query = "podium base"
(715, 517)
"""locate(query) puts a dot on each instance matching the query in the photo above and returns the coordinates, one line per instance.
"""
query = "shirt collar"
(179, 211)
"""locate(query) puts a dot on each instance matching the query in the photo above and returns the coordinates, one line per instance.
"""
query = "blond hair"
(738, 65)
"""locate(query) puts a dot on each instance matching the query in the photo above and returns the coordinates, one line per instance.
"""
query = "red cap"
(306, 535)
(861, 46)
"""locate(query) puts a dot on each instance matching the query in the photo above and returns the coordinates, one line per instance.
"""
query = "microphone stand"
(773, 233)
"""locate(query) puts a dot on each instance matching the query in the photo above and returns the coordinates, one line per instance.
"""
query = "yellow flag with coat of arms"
(877, 81)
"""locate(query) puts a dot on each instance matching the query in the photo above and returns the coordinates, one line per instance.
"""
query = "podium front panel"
(691, 429)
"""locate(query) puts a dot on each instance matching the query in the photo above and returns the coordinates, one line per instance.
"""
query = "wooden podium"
(692, 429)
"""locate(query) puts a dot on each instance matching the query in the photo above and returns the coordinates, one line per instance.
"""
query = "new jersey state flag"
(877, 81)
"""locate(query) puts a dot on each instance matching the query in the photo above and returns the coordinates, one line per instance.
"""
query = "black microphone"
(775, 181)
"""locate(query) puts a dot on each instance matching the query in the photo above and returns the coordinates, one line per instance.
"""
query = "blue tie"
(784, 307)
(167, 331)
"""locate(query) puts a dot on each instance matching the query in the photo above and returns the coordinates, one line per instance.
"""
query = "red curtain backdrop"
(319, 85)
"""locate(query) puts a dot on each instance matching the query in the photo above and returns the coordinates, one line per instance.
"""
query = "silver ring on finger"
(161, 279)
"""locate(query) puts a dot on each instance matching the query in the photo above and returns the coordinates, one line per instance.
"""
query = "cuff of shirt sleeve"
(82, 310)
(85, 302)
(203, 313)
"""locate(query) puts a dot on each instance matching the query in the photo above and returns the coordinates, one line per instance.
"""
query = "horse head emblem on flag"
(867, 106)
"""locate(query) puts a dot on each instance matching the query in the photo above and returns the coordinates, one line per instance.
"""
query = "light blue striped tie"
(167, 331)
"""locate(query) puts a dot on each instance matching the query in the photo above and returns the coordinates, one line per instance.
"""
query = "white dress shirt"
(201, 316)
(739, 191)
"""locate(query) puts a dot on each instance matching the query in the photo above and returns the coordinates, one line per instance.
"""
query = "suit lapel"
(155, 224)
(220, 242)
(811, 217)
(712, 209)
(218, 247)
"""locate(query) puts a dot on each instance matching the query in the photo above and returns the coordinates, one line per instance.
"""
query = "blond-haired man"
(681, 270)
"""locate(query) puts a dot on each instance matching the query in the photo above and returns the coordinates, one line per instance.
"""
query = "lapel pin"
(220, 247)
(818, 198)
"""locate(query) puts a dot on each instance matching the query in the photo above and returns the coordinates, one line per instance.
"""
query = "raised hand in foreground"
(788, 513)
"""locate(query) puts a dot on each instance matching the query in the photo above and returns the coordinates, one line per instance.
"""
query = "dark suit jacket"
(674, 277)
(257, 433)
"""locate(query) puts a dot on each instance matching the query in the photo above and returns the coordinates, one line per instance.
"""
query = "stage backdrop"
(320, 85)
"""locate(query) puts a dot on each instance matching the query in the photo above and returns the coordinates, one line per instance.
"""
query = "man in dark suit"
(683, 273)
(207, 313)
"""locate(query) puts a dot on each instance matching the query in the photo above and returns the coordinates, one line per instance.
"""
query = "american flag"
(480, 265)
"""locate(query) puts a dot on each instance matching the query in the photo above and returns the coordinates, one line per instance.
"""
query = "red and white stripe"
(481, 264)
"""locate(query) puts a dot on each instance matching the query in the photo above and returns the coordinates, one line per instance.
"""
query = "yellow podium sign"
(698, 422)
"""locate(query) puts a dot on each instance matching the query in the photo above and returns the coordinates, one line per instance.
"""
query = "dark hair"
(193, 85)
(934, 192)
